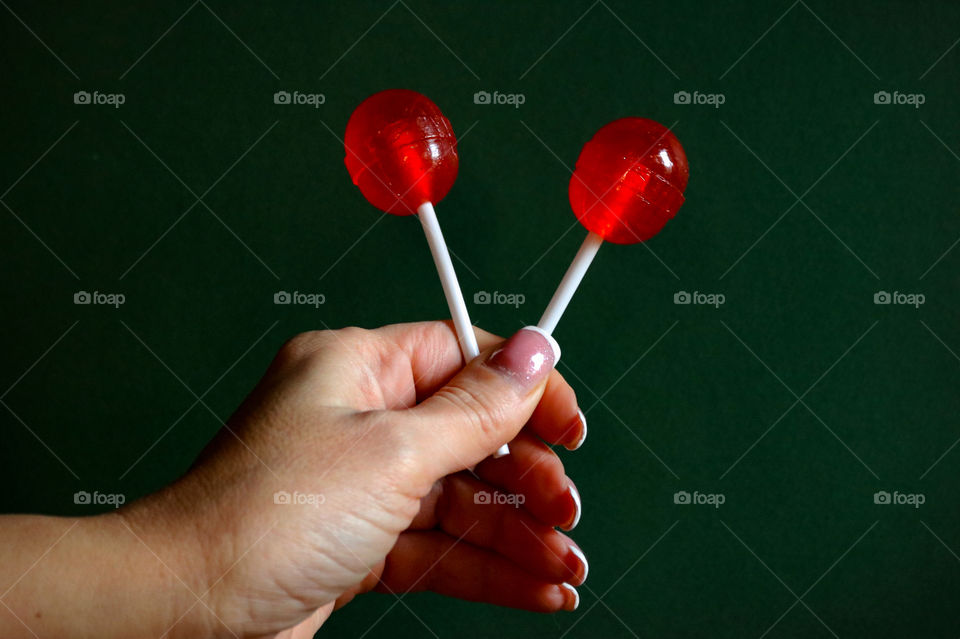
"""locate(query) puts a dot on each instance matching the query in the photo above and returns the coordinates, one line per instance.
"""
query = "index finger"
(432, 350)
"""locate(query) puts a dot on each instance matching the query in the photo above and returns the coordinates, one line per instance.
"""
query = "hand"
(372, 434)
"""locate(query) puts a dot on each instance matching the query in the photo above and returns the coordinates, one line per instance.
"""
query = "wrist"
(95, 576)
(171, 549)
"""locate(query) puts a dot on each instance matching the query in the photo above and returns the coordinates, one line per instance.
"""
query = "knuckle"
(479, 411)
(300, 347)
(308, 348)
(352, 335)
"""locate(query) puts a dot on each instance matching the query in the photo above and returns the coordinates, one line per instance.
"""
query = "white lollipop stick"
(448, 278)
(451, 289)
(571, 280)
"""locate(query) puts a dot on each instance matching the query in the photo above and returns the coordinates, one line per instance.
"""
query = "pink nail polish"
(527, 357)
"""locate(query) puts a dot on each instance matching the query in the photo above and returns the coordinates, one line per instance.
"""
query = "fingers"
(557, 418)
(434, 355)
(433, 351)
(480, 408)
(533, 470)
(490, 519)
(438, 562)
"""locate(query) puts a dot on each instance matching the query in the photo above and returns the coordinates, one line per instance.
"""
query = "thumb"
(484, 406)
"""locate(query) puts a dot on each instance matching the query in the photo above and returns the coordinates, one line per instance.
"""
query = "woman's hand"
(369, 438)
(347, 469)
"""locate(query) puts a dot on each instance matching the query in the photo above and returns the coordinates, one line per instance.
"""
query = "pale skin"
(375, 431)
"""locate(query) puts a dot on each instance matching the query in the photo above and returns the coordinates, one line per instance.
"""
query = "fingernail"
(572, 601)
(579, 507)
(528, 356)
(575, 550)
(581, 422)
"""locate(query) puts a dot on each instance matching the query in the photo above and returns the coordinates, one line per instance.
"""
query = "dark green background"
(686, 390)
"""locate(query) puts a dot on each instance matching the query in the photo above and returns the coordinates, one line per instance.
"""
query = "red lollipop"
(402, 154)
(628, 182)
(401, 151)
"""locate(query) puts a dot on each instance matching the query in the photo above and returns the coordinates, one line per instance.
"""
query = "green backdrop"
(796, 399)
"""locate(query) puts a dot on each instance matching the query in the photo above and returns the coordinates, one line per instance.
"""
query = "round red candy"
(401, 151)
(629, 180)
